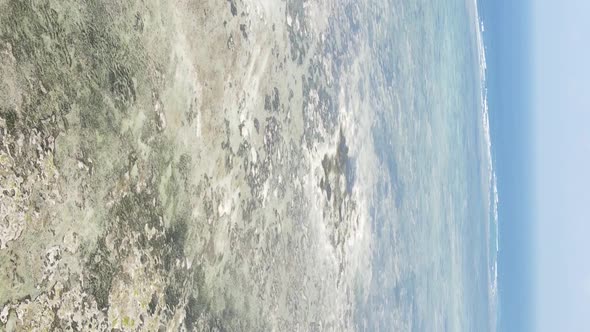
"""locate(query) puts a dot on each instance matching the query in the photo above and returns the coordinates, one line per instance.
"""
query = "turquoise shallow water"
(434, 254)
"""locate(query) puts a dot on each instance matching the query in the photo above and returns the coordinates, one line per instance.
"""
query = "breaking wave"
(492, 227)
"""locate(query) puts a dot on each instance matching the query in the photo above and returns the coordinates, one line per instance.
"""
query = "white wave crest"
(492, 227)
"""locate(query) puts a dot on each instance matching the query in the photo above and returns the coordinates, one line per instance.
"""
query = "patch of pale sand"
(315, 12)
(216, 79)
(9, 84)
(256, 72)
(268, 11)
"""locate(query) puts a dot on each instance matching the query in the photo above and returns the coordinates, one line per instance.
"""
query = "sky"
(561, 92)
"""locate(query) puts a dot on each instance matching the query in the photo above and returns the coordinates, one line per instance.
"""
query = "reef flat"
(179, 165)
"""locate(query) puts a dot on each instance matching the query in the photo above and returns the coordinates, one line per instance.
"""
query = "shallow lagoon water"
(244, 165)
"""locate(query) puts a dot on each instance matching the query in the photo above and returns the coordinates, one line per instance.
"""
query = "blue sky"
(561, 92)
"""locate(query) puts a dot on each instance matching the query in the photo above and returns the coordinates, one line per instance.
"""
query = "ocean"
(433, 202)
